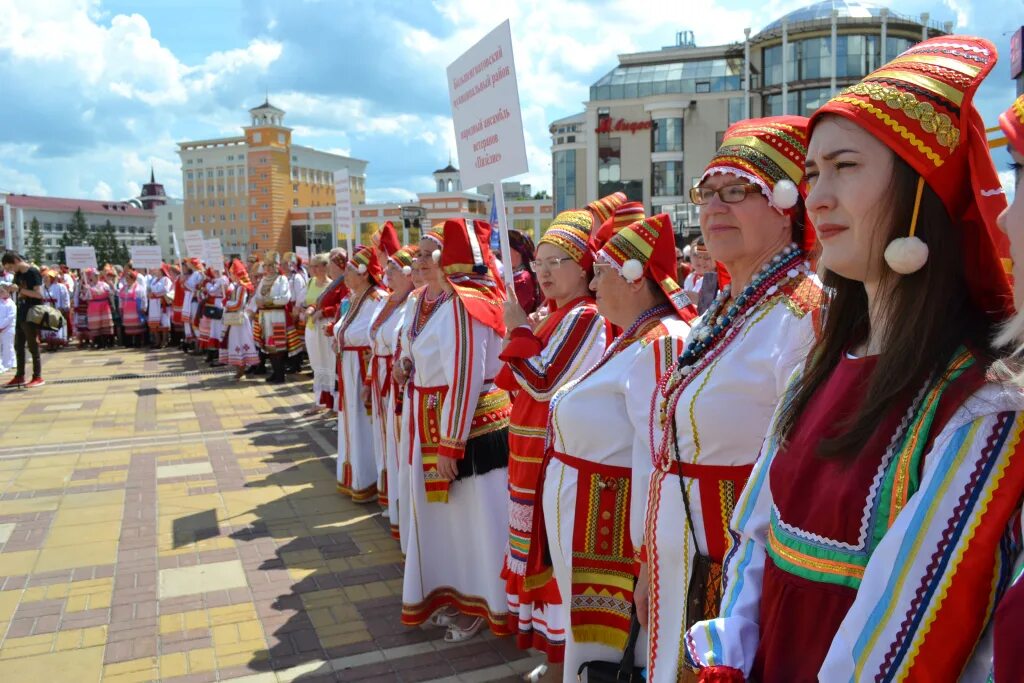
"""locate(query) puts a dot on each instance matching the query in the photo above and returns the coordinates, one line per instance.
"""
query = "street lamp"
(411, 215)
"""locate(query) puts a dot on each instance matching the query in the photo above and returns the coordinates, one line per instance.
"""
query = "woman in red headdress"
(458, 451)
(878, 526)
(211, 325)
(96, 293)
(238, 348)
(357, 462)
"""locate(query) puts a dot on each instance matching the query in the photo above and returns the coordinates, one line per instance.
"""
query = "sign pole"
(502, 227)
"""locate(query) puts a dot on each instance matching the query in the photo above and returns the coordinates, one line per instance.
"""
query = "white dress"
(384, 337)
(720, 421)
(403, 442)
(357, 463)
(190, 303)
(8, 315)
(240, 348)
(158, 311)
(600, 422)
(455, 549)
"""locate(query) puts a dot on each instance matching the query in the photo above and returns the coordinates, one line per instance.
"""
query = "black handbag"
(610, 672)
(704, 594)
(213, 313)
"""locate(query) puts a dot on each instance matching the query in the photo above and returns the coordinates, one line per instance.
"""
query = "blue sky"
(95, 91)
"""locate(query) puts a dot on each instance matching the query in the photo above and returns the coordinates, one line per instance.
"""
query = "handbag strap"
(629, 653)
(682, 489)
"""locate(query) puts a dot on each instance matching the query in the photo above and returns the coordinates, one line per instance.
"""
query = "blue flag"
(495, 239)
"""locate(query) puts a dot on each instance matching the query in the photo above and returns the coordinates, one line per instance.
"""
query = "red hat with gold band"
(365, 262)
(604, 208)
(624, 216)
(404, 257)
(436, 235)
(921, 105)
(386, 239)
(647, 249)
(1012, 123)
(469, 267)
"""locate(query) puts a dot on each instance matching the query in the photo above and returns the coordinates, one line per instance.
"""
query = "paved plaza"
(159, 521)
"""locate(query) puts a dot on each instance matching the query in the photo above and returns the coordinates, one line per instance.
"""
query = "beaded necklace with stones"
(424, 309)
(713, 334)
(634, 332)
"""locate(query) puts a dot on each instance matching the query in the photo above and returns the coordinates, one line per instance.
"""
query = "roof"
(93, 206)
(267, 105)
(447, 169)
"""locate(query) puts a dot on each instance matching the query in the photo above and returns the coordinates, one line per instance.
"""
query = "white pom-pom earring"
(632, 270)
(906, 255)
(436, 255)
(361, 269)
(785, 195)
(406, 270)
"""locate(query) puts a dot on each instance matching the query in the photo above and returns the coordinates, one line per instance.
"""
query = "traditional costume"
(160, 295)
(211, 324)
(100, 320)
(887, 565)
(190, 303)
(297, 282)
(239, 347)
(357, 462)
(598, 457)
(134, 308)
(723, 392)
(538, 363)
(457, 528)
(384, 326)
(56, 294)
(8, 324)
(270, 328)
(326, 314)
(318, 346)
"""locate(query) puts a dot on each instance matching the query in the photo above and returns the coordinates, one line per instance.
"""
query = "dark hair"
(928, 315)
(10, 257)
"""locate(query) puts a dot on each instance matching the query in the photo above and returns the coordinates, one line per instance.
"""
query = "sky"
(95, 92)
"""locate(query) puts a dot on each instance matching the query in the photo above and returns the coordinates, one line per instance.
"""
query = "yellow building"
(243, 189)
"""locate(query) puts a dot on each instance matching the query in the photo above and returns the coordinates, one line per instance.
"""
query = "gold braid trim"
(896, 126)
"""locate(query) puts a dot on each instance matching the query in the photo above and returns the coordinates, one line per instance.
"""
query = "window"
(565, 180)
(667, 135)
(209, 173)
(735, 109)
(220, 172)
(257, 137)
(295, 202)
(667, 178)
(280, 138)
(703, 86)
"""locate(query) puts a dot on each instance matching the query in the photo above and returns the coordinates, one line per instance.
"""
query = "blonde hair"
(318, 260)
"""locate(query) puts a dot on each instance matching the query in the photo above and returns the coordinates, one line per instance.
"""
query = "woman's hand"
(447, 467)
(641, 595)
(515, 316)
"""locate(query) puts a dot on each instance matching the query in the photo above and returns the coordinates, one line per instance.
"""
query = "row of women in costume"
(817, 479)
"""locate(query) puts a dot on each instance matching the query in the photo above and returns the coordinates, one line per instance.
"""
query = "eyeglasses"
(549, 264)
(730, 194)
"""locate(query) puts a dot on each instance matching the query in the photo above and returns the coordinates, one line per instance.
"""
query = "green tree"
(76, 235)
(104, 241)
(35, 242)
(543, 194)
(151, 241)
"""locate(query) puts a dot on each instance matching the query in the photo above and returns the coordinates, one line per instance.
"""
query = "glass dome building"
(654, 120)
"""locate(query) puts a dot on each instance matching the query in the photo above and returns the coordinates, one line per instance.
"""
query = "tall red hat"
(365, 261)
(647, 249)
(1012, 123)
(387, 238)
(921, 105)
(469, 266)
(604, 208)
(623, 216)
(239, 270)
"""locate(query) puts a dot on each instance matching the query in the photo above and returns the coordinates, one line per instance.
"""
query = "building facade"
(255, 192)
(412, 218)
(652, 123)
(133, 225)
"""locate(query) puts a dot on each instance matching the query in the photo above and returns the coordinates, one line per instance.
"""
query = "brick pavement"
(159, 521)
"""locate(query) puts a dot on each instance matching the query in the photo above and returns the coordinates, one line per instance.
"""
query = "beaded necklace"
(352, 312)
(390, 306)
(424, 309)
(716, 330)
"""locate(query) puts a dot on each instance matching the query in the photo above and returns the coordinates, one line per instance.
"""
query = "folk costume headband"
(573, 231)
(1012, 123)
(921, 105)
(469, 267)
(769, 152)
(365, 262)
(647, 249)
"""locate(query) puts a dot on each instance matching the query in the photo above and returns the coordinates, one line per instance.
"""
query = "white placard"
(194, 244)
(174, 241)
(488, 122)
(80, 257)
(213, 255)
(146, 257)
(302, 253)
(342, 204)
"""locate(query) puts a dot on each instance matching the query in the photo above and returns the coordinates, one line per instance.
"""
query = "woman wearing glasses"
(710, 414)
(590, 515)
(538, 362)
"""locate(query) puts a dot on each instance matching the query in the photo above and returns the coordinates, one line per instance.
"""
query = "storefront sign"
(606, 125)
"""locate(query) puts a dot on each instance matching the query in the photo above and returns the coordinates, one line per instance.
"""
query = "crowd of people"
(789, 451)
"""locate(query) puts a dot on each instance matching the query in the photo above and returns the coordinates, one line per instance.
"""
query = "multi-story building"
(411, 218)
(255, 191)
(132, 224)
(653, 121)
(168, 215)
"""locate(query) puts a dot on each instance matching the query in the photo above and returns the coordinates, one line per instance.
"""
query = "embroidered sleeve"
(464, 373)
(576, 344)
(930, 587)
(655, 358)
(279, 293)
(731, 640)
(298, 290)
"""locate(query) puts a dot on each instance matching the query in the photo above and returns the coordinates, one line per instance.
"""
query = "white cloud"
(962, 10)
(102, 191)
